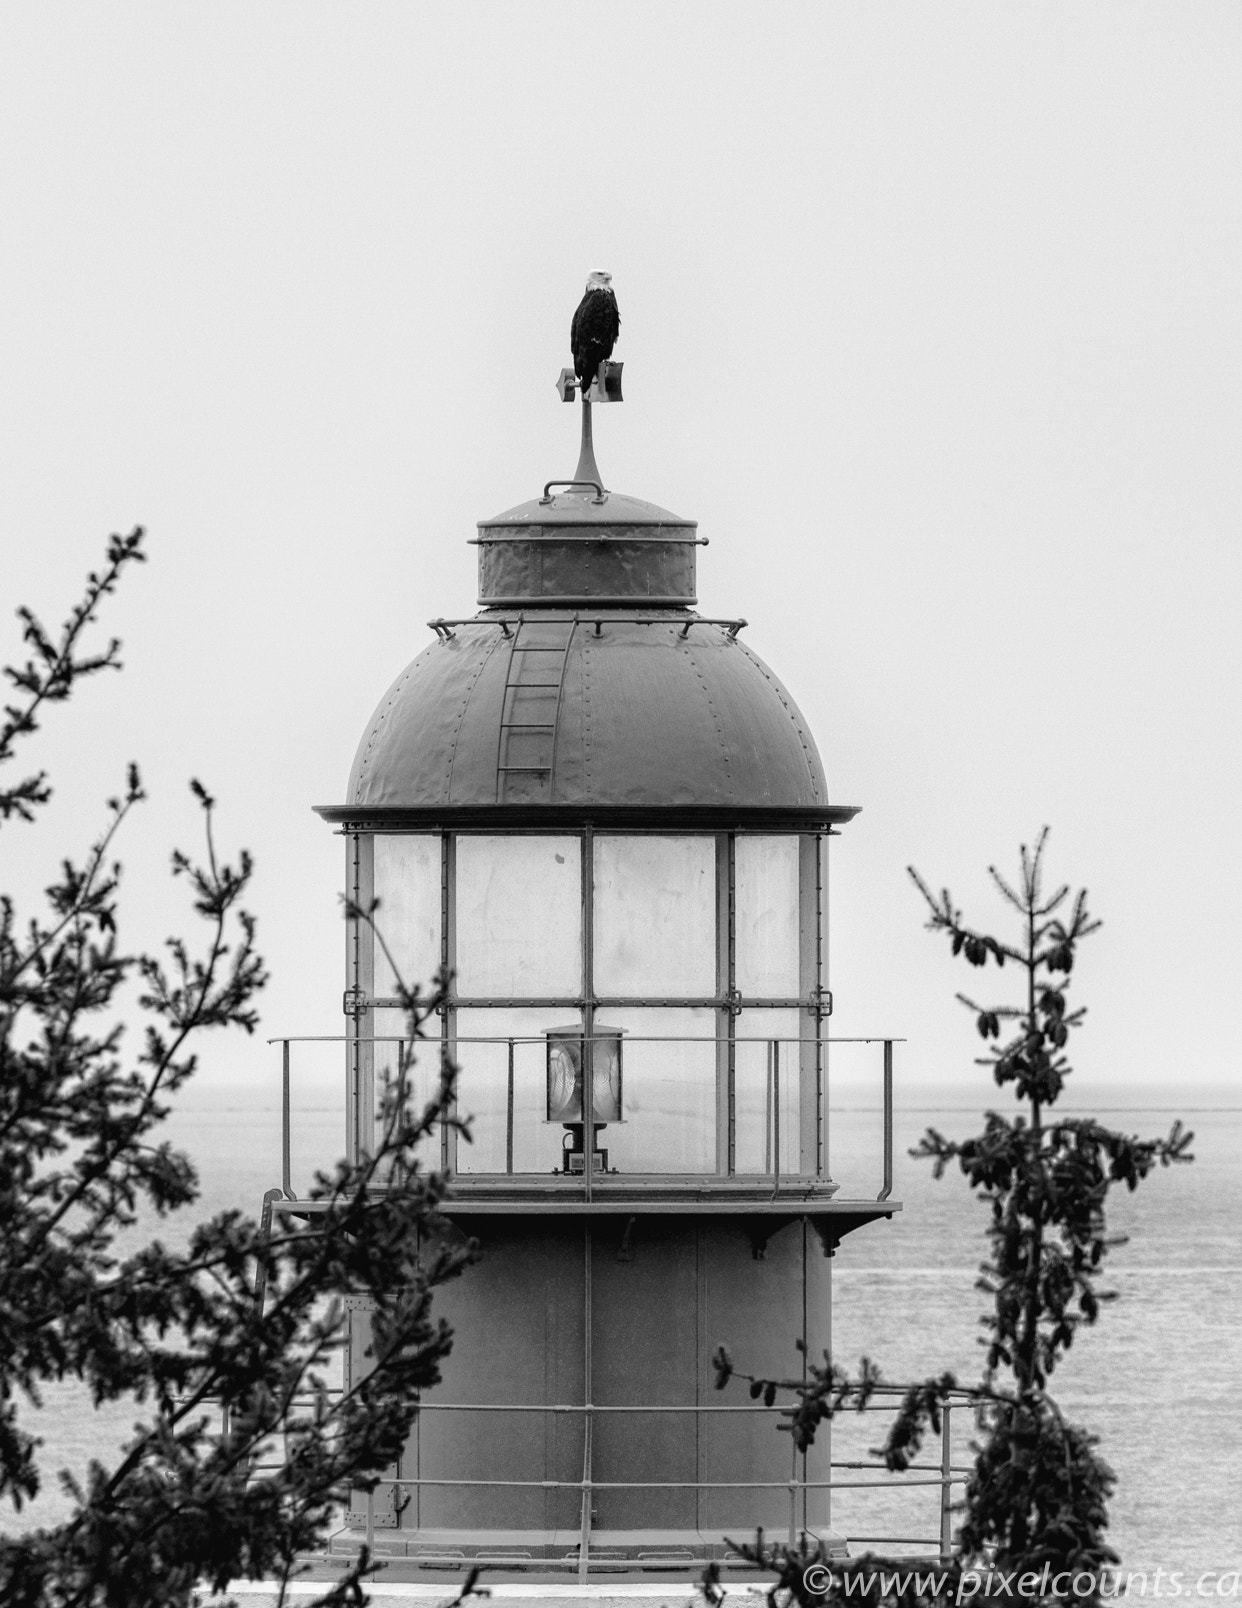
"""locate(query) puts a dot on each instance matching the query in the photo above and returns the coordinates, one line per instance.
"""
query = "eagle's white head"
(599, 281)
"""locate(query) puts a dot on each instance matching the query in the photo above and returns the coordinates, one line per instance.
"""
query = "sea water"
(1157, 1379)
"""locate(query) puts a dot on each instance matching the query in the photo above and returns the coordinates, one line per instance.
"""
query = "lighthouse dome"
(587, 680)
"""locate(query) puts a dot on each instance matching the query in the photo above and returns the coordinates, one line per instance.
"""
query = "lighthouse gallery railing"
(580, 1559)
(758, 1121)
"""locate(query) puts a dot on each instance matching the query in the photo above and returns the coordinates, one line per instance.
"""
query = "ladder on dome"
(531, 708)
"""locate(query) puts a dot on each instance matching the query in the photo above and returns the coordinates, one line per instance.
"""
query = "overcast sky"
(932, 317)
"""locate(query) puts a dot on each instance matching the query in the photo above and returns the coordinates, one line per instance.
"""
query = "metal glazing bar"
(448, 957)
(509, 1115)
(888, 1121)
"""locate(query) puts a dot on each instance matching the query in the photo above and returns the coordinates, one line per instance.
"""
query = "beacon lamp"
(576, 1064)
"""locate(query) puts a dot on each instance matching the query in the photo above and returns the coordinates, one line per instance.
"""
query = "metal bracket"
(830, 1236)
(353, 1002)
(733, 1002)
(605, 387)
(821, 999)
(759, 1230)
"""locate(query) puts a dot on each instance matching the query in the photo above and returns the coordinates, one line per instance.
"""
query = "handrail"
(771, 1156)
(926, 1475)
(539, 1038)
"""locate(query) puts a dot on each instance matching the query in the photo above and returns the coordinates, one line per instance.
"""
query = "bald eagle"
(593, 333)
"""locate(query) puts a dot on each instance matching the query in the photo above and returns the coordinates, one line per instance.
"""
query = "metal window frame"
(726, 1002)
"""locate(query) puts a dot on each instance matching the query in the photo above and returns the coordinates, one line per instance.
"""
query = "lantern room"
(604, 820)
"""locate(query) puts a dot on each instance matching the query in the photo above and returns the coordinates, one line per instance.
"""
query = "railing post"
(509, 1116)
(888, 1121)
(946, 1442)
(776, 1112)
(767, 1106)
(265, 1235)
(286, 1166)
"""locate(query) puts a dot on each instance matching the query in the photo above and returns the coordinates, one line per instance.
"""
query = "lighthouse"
(603, 817)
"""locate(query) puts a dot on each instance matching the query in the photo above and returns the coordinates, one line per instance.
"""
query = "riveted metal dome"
(586, 683)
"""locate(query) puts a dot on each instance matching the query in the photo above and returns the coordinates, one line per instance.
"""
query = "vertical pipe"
(587, 468)
(371, 1521)
(588, 1390)
(806, 1352)
(587, 1059)
(509, 1115)
(353, 947)
(888, 1121)
(827, 1430)
(732, 996)
(946, 1535)
(588, 1110)
(286, 1168)
(821, 982)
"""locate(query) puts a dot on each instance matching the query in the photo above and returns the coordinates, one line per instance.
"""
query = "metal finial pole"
(587, 468)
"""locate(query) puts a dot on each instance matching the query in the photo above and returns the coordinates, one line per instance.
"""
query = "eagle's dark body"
(593, 333)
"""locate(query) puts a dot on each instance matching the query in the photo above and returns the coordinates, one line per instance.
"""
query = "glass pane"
(483, 1088)
(766, 879)
(655, 916)
(391, 1033)
(407, 885)
(766, 1137)
(668, 1091)
(519, 916)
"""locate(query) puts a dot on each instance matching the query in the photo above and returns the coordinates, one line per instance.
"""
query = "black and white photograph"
(622, 720)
